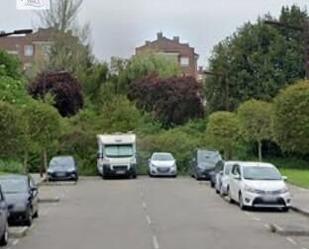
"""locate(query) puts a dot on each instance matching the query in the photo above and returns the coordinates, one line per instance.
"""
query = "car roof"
(254, 164)
(162, 153)
(13, 176)
(61, 157)
(232, 162)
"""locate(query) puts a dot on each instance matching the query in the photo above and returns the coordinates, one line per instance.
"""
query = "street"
(152, 213)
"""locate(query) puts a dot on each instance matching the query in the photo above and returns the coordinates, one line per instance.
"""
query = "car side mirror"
(221, 172)
(10, 207)
(284, 178)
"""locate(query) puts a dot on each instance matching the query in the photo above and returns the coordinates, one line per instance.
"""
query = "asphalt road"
(152, 213)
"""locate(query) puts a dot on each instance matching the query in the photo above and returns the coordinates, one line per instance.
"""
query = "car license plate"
(120, 172)
(269, 198)
(60, 174)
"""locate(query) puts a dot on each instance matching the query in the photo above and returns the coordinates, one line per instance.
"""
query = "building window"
(28, 50)
(184, 61)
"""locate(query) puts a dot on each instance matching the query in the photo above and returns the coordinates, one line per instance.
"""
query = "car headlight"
(283, 190)
(251, 190)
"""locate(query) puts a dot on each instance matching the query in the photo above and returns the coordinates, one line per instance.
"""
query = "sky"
(118, 26)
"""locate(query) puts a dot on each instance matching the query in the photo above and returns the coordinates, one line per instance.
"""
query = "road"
(151, 213)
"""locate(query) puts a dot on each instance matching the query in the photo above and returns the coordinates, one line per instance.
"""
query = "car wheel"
(212, 184)
(36, 214)
(5, 237)
(28, 221)
(230, 196)
(241, 202)
(285, 209)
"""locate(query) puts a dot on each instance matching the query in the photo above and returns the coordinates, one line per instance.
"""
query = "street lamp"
(16, 32)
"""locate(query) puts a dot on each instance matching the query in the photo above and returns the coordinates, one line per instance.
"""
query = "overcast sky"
(118, 26)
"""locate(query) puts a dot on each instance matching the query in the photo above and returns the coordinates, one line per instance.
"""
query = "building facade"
(31, 49)
(181, 53)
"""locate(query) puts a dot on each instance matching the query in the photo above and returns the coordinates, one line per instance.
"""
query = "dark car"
(4, 214)
(216, 174)
(62, 168)
(21, 195)
(203, 163)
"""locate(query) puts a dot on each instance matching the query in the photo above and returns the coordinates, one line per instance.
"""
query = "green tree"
(11, 130)
(44, 124)
(291, 118)
(255, 62)
(144, 65)
(256, 122)
(13, 90)
(10, 66)
(223, 132)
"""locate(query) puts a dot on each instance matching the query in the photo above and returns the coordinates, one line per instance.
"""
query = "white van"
(116, 155)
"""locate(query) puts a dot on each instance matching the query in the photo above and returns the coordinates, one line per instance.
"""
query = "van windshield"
(120, 150)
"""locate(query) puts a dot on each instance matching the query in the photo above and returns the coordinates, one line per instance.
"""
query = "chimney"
(176, 39)
(159, 35)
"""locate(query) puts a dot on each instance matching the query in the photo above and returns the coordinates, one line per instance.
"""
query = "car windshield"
(123, 150)
(61, 162)
(261, 173)
(12, 185)
(162, 157)
(208, 156)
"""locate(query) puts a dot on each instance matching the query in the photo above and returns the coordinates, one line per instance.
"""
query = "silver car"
(223, 178)
(162, 164)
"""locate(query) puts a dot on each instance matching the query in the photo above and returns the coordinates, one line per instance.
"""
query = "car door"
(235, 181)
(35, 194)
(3, 213)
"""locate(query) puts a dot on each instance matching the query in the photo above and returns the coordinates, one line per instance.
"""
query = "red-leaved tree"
(172, 101)
(65, 89)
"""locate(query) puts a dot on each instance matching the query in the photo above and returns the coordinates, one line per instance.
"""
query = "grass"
(298, 177)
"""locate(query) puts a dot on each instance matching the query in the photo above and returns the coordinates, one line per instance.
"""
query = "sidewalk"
(38, 180)
(300, 199)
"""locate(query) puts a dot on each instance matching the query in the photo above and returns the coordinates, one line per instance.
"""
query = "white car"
(223, 178)
(162, 164)
(254, 184)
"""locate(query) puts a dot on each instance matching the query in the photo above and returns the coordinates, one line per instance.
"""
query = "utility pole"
(16, 32)
(305, 31)
(226, 87)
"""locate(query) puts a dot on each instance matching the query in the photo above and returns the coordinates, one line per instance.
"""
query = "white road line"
(15, 242)
(291, 241)
(144, 205)
(148, 219)
(256, 219)
(155, 242)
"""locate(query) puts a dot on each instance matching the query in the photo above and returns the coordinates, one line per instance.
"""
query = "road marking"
(256, 218)
(148, 219)
(267, 226)
(15, 242)
(144, 205)
(291, 241)
(155, 242)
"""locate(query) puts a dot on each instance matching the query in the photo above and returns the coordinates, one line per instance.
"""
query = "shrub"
(9, 166)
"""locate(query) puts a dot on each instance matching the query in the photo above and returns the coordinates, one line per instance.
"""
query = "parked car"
(4, 214)
(62, 168)
(254, 184)
(203, 163)
(162, 164)
(21, 195)
(223, 178)
(215, 173)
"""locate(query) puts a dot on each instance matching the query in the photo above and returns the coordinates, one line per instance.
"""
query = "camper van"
(116, 155)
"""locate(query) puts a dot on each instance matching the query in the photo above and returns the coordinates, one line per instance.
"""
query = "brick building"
(31, 49)
(179, 52)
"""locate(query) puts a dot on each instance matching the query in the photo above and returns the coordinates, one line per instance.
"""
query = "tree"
(223, 132)
(256, 122)
(71, 50)
(172, 101)
(256, 62)
(291, 118)
(144, 65)
(13, 91)
(11, 130)
(10, 66)
(44, 127)
(119, 115)
(65, 89)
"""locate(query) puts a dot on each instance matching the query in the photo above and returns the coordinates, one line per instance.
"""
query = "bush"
(9, 166)
(291, 118)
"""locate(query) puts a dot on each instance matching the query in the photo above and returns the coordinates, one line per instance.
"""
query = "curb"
(18, 232)
(288, 232)
(300, 210)
(49, 200)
